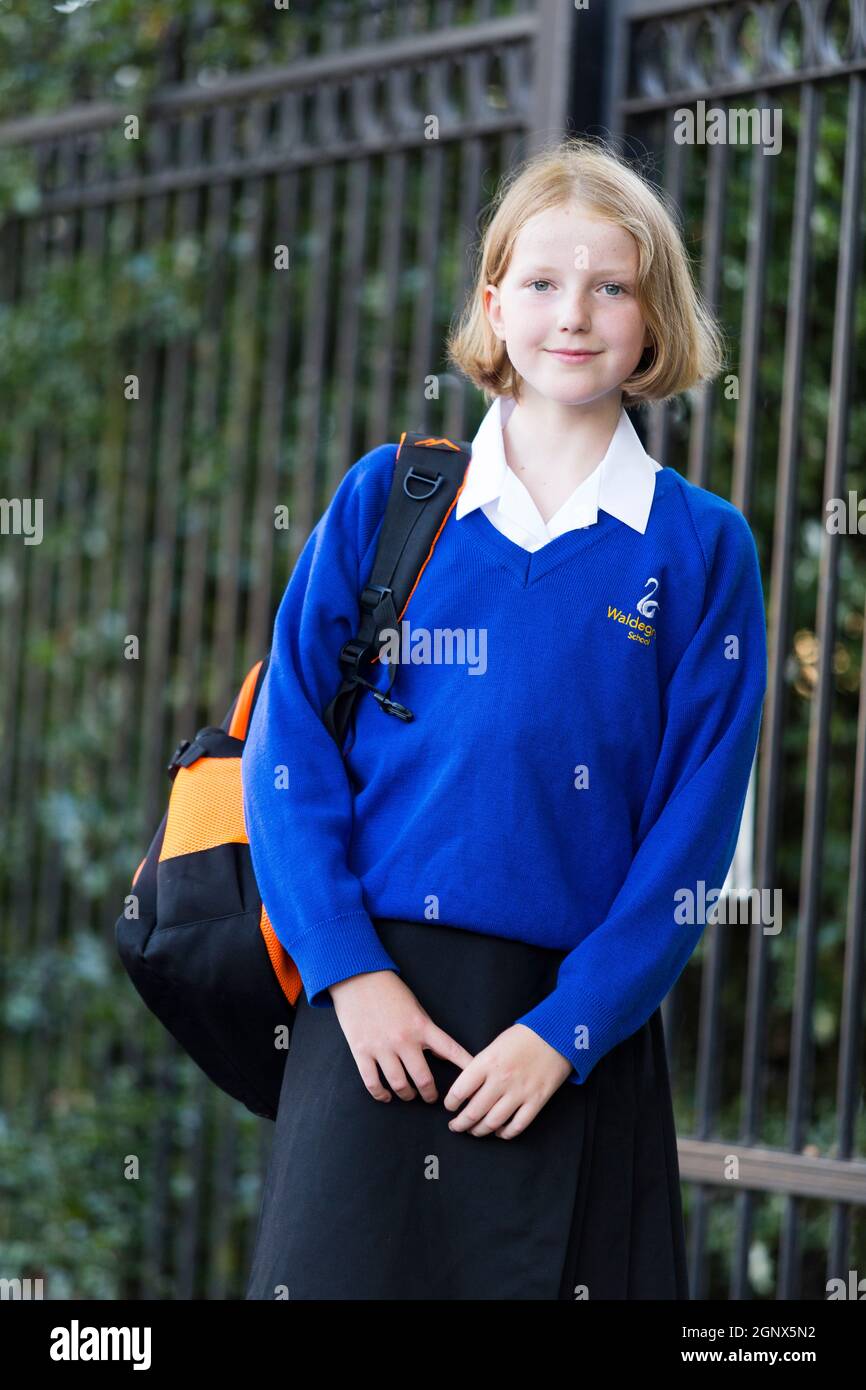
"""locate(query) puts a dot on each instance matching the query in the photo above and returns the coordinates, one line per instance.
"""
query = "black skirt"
(366, 1199)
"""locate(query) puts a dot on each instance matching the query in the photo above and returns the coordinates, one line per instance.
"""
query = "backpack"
(200, 948)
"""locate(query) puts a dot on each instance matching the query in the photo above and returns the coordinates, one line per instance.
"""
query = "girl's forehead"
(556, 231)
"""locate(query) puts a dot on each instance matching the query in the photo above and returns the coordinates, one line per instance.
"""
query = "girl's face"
(570, 285)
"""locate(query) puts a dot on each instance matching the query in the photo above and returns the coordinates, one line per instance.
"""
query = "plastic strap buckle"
(177, 757)
(351, 655)
(372, 596)
(188, 751)
(389, 706)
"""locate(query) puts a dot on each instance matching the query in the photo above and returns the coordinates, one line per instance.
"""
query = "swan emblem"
(648, 605)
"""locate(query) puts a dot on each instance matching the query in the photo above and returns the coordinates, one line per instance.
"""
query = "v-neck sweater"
(586, 719)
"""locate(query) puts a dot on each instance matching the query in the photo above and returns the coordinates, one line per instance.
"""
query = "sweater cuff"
(577, 1024)
(335, 949)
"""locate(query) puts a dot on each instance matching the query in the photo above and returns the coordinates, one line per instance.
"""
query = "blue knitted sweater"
(586, 718)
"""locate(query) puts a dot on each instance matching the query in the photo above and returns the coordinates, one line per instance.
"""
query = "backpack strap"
(428, 476)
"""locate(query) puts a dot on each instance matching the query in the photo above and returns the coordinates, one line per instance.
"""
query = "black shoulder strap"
(428, 474)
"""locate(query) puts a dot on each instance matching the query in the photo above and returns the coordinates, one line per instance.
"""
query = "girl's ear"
(493, 310)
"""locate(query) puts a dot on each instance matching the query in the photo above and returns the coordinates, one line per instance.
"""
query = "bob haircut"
(687, 341)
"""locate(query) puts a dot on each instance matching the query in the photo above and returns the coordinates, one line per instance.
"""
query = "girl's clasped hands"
(504, 1086)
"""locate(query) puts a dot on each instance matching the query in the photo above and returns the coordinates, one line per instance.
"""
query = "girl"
(488, 905)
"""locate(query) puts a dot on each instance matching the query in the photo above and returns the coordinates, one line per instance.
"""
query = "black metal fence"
(779, 241)
(318, 223)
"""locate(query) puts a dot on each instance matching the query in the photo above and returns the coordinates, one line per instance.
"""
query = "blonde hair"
(687, 341)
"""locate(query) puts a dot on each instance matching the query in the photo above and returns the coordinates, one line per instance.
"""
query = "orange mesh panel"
(241, 717)
(284, 967)
(205, 808)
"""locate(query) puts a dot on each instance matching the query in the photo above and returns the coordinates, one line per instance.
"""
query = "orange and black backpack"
(194, 934)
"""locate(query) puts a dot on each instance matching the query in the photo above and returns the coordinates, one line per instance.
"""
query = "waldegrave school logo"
(646, 605)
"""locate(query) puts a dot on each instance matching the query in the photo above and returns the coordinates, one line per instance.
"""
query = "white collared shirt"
(623, 484)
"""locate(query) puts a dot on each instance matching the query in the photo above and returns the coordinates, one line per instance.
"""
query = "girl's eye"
(612, 284)
(539, 282)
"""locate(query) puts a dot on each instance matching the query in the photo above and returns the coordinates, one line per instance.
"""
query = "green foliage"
(67, 1214)
(83, 1159)
(58, 345)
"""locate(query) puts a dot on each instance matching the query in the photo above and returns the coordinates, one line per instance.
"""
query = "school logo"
(640, 631)
(648, 605)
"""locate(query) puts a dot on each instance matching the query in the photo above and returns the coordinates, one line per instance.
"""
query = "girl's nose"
(575, 314)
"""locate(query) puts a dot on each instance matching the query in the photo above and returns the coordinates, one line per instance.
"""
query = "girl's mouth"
(572, 356)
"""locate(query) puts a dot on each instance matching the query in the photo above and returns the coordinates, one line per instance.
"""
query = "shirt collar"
(623, 484)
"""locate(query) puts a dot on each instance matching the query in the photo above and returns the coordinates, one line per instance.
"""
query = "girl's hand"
(384, 1023)
(517, 1072)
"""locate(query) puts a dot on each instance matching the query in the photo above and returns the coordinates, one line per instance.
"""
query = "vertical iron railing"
(779, 259)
